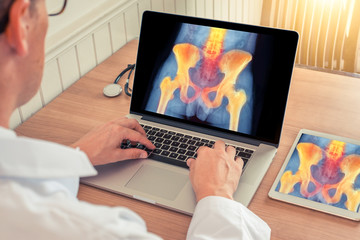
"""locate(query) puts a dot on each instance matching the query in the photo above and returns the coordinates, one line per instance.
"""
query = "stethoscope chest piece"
(112, 90)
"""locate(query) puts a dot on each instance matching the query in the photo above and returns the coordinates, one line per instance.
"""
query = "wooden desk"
(318, 101)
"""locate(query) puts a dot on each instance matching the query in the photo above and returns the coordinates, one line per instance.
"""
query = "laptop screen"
(218, 75)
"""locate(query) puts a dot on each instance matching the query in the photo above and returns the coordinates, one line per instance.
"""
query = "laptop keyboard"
(177, 147)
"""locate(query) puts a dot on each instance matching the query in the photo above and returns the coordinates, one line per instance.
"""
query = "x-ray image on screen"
(207, 78)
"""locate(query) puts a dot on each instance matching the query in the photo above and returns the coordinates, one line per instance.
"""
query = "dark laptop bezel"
(153, 25)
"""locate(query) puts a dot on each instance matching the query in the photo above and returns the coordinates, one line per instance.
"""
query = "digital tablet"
(321, 172)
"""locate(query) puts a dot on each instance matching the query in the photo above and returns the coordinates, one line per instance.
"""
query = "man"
(39, 180)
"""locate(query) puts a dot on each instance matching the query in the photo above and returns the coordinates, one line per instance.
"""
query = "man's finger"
(231, 150)
(130, 123)
(239, 161)
(219, 144)
(135, 136)
(189, 162)
(130, 153)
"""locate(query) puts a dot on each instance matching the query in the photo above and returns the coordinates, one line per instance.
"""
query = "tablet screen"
(323, 170)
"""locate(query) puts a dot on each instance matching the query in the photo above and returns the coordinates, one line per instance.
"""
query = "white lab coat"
(39, 182)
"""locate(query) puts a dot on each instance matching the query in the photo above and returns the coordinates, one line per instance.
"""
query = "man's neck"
(7, 107)
(4, 122)
(5, 114)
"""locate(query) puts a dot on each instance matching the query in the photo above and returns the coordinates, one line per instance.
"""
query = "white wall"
(89, 31)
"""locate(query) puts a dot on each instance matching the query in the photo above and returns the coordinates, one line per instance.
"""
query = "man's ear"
(17, 30)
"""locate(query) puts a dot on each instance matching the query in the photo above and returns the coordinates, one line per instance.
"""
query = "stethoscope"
(114, 89)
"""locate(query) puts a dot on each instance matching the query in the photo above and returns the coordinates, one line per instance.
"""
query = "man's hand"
(215, 172)
(102, 144)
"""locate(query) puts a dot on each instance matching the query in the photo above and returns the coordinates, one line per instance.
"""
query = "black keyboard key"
(181, 151)
(140, 146)
(124, 145)
(171, 132)
(152, 132)
(165, 147)
(182, 157)
(156, 129)
(240, 149)
(151, 138)
(157, 145)
(167, 141)
(191, 142)
(156, 151)
(159, 140)
(173, 155)
(159, 134)
(196, 138)
(192, 148)
(249, 151)
(175, 138)
(187, 136)
(147, 127)
(190, 153)
(244, 154)
(199, 144)
(183, 140)
(173, 149)
(175, 144)
(167, 136)
(183, 145)
(179, 134)
(204, 140)
(163, 130)
(165, 153)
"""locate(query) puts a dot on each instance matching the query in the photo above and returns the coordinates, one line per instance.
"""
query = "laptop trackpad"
(158, 181)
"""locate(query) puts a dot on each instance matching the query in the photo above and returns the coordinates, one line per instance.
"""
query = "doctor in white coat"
(39, 180)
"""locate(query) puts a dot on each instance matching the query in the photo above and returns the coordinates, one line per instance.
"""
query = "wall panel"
(86, 55)
(69, 68)
(51, 85)
(191, 7)
(225, 10)
(103, 46)
(180, 7)
(217, 9)
(245, 11)
(157, 5)
(232, 10)
(118, 33)
(200, 8)
(132, 25)
(209, 8)
(169, 6)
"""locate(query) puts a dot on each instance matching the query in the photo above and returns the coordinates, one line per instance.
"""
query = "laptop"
(197, 81)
